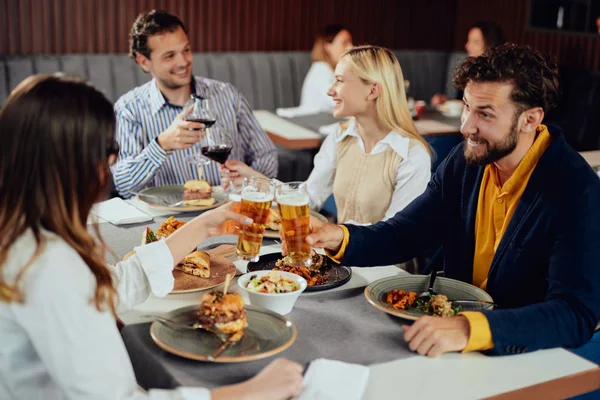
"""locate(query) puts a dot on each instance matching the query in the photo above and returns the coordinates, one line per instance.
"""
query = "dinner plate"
(453, 289)
(159, 197)
(271, 234)
(220, 266)
(338, 274)
(267, 334)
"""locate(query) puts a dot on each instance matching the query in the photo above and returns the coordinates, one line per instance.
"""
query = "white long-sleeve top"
(313, 98)
(414, 172)
(56, 344)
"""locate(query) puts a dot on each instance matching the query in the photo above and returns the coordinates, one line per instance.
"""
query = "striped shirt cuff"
(157, 154)
(339, 256)
(480, 336)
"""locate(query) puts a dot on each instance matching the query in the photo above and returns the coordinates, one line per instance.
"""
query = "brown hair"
(534, 76)
(491, 32)
(57, 133)
(326, 35)
(150, 23)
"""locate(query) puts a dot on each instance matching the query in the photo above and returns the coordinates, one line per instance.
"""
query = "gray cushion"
(454, 61)
(267, 79)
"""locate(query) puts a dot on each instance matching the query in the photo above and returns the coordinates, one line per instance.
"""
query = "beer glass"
(295, 221)
(257, 195)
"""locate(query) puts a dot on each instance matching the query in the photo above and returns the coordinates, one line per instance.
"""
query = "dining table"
(339, 324)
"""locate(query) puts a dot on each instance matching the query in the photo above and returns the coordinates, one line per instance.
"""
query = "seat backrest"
(454, 61)
(426, 71)
(268, 79)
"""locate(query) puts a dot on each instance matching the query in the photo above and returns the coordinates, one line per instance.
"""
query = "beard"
(494, 151)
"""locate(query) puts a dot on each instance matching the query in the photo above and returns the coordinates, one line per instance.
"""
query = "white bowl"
(281, 303)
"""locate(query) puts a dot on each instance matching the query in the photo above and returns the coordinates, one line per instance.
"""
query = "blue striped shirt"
(143, 113)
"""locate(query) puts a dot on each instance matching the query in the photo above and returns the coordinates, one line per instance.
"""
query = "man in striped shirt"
(154, 137)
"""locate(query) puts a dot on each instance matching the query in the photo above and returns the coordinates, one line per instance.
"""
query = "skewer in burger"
(223, 311)
(198, 193)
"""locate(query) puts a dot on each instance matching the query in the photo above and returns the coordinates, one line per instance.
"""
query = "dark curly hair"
(535, 76)
(151, 23)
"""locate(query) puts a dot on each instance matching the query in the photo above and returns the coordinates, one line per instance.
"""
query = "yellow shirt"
(495, 208)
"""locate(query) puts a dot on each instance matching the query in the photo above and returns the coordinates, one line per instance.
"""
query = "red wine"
(219, 153)
(207, 122)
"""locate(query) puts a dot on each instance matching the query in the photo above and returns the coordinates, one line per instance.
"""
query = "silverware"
(236, 337)
(196, 325)
(429, 291)
(163, 201)
(474, 302)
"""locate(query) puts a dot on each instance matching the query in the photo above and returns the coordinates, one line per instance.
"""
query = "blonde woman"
(376, 163)
(329, 45)
(58, 297)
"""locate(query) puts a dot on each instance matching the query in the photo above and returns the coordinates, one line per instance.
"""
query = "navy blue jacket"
(545, 274)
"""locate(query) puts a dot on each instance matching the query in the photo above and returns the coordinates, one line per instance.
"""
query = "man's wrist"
(161, 142)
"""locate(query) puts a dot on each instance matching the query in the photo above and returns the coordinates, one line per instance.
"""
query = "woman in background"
(376, 163)
(58, 297)
(330, 44)
(482, 36)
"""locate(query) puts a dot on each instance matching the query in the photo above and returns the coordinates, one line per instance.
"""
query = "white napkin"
(334, 380)
(118, 212)
(329, 129)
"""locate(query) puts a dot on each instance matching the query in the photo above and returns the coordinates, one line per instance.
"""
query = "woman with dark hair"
(482, 36)
(58, 297)
(331, 42)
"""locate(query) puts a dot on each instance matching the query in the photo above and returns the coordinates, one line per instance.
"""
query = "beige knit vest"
(364, 183)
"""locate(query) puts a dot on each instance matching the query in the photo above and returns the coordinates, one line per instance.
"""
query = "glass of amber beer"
(257, 196)
(295, 221)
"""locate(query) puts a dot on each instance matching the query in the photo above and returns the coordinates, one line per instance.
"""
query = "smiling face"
(349, 92)
(170, 61)
(489, 122)
(475, 45)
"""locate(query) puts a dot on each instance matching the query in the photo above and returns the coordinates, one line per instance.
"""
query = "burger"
(223, 311)
(196, 263)
(198, 193)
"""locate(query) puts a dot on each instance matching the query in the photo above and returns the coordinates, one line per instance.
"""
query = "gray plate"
(455, 290)
(267, 334)
(160, 197)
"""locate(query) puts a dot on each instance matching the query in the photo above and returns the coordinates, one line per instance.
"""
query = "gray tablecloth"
(339, 325)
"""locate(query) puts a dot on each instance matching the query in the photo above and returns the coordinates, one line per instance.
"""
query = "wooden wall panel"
(572, 50)
(102, 26)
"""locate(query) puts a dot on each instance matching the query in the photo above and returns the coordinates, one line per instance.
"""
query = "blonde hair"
(326, 35)
(376, 64)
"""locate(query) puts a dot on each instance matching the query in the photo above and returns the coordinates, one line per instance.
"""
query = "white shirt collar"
(398, 142)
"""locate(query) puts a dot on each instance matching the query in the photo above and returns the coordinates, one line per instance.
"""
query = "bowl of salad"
(274, 290)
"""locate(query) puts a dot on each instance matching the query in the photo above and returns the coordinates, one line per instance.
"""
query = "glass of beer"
(295, 221)
(257, 196)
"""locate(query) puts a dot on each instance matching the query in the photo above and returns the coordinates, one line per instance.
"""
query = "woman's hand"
(280, 380)
(185, 239)
(235, 171)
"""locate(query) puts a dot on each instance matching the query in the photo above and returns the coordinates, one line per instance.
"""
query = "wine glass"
(200, 110)
(216, 145)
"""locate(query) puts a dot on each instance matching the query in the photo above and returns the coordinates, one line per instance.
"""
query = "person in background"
(516, 210)
(333, 41)
(58, 297)
(154, 137)
(482, 36)
(376, 163)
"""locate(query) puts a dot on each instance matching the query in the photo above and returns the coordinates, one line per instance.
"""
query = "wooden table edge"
(312, 143)
(560, 388)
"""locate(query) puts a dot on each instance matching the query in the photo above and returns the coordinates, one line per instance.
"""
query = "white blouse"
(57, 345)
(414, 172)
(313, 98)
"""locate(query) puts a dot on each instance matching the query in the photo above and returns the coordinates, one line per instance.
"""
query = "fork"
(236, 337)
(196, 325)
(163, 201)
